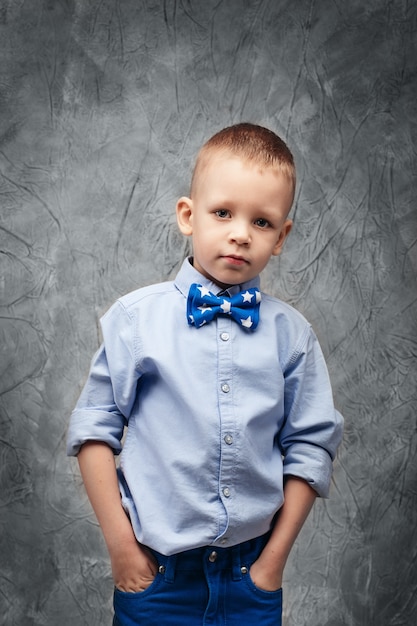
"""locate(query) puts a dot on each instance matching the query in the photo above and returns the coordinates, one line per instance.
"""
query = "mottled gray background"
(103, 105)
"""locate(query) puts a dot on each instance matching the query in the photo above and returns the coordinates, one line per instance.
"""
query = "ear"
(285, 231)
(184, 211)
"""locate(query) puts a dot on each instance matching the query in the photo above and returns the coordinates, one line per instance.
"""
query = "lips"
(235, 259)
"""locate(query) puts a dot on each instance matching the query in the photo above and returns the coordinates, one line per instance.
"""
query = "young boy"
(231, 424)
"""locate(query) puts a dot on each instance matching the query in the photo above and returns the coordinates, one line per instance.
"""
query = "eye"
(222, 213)
(262, 223)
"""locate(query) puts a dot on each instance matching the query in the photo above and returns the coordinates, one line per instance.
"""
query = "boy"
(231, 424)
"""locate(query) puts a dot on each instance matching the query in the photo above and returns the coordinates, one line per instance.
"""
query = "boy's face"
(237, 218)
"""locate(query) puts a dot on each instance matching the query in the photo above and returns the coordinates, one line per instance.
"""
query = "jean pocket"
(254, 605)
(263, 593)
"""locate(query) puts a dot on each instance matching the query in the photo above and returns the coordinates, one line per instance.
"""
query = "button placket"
(227, 418)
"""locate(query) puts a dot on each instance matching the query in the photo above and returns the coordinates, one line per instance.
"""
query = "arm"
(268, 570)
(309, 439)
(133, 567)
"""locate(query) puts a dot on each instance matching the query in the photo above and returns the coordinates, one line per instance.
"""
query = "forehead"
(212, 163)
(217, 165)
(230, 180)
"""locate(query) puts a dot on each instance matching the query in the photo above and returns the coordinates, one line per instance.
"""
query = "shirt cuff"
(311, 463)
(93, 425)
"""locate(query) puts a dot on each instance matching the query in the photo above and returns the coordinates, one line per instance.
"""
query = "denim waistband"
(237, 558)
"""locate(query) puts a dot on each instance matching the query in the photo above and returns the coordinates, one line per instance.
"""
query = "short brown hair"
(252, 143)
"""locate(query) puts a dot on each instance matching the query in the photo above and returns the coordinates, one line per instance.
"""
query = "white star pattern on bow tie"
(204, 291)
(247, 297)
(203, 306)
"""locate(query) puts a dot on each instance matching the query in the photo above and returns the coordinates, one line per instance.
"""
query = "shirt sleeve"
(313, 428)
(106, 401)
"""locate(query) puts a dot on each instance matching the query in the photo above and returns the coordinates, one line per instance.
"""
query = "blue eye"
(262, 223)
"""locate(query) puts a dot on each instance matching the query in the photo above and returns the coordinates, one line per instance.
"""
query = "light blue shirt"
(216, 415)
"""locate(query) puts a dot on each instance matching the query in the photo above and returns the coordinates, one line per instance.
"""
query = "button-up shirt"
(216, 416)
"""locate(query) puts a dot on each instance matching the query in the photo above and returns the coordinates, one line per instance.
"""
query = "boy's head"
(251, 143)
(241, 193)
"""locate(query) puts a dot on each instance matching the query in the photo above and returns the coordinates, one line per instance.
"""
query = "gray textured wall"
(103, 106)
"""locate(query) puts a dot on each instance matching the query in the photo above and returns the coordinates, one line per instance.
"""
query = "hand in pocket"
(134, 567)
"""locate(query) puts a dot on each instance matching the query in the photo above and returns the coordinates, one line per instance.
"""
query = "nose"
(240, 233)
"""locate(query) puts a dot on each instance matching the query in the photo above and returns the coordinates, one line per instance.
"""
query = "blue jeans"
(202, 587)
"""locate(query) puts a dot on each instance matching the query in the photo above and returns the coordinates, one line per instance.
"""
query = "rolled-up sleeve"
(105, 403)
(313, 428)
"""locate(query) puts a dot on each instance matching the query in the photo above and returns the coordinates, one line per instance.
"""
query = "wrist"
(120, 537)
(272, 562)
(267, 575)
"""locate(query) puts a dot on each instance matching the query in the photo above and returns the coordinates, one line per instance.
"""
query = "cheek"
(266, 243)
(200, 243)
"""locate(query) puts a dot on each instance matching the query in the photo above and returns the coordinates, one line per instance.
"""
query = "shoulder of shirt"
(279, 306)
(133, 298)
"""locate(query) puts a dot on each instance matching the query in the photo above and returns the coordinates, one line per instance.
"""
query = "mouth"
(234, 259)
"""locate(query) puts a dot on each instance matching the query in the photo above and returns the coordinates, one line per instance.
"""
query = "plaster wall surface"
(103, 106)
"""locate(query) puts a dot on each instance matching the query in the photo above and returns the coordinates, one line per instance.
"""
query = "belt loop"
(170, 566)
(236, 565)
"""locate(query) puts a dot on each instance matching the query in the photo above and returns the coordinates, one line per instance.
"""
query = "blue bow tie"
(203, 306)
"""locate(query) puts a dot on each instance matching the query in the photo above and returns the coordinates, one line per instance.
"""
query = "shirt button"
(224, 336)
(228, 439)
(225, 388)
(226, 492)
(212, 556)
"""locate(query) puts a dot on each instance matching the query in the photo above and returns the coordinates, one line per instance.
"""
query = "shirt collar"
(188, 275)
